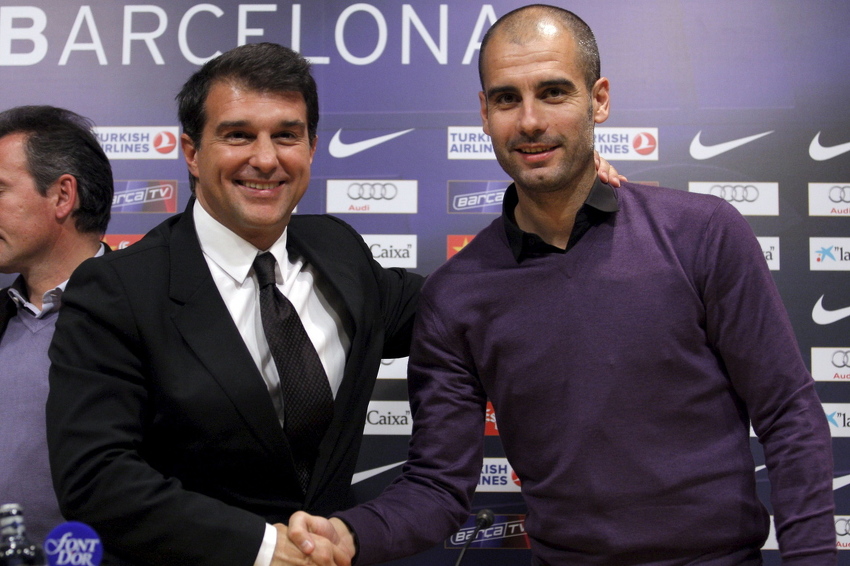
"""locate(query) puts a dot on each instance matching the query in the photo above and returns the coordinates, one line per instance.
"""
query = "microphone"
(483, 520)
(73, 544)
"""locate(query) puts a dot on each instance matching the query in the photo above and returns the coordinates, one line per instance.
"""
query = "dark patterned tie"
(307, 398)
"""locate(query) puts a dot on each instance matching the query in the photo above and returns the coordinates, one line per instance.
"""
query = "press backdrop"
(747, 99)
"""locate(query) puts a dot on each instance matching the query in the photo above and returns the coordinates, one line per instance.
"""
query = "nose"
(264, 155)
(532, 119)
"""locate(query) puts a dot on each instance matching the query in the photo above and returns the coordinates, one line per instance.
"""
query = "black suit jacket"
(7, 309)
(161, 432)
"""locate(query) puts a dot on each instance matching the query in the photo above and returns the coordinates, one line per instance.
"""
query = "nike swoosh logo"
(700, 151)
(821, 153)
(338, 148)
(365, 475)
(839, 482)
(822, 316)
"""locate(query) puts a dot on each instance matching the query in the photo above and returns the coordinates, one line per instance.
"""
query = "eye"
(506, 99)
(236, 136)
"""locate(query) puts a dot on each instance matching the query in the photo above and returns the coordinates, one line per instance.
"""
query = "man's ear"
(601, 97)
(65, 195)
(485, 123)
(190, 153)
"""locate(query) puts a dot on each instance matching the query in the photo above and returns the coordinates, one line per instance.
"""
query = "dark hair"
(263, 67)
(61, 142)
(517, 22)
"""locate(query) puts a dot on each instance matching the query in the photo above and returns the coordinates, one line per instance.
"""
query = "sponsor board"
(477, 197)
(751, 199)
(121, 241)
(456, 242)
(829, 254)
(138, 142)
(497, 476)
(625, 144)
(770, 249)
(145, 196)
(393, 250)
(838, 417)
(507, 531)
(393, 369)
(372, 196)
(388, 418)
(491, 427)
(469, 142)
(831, 364)
(829, 199)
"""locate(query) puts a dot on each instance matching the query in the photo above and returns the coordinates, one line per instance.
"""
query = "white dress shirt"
(230, 259)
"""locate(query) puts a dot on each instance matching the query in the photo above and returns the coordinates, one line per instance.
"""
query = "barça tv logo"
(145, 196)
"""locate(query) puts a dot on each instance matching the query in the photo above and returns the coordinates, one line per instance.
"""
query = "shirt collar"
(51, 300)
(230, 252)
(601, 201)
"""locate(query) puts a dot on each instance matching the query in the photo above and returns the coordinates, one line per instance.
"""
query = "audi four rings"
(841, 358)
(839, 194)
(735, 193)
(372, 191)
(842, 527)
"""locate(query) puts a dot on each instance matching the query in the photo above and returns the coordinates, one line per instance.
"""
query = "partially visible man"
(177, 427)
(55, 199)
(627, 340)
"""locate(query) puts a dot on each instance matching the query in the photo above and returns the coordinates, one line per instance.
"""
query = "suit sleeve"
(98, 409)
(748, 324)
(433, 495)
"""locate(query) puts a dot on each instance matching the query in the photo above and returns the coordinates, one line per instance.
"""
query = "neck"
(551, 215)
(57, 268)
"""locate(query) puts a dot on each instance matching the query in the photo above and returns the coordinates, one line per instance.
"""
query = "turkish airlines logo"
(497, 476)
(644, 143)
(340, 149)
(821, 153)
(701, 151)
(165, 142)
(751, 199)
(121, 241)
(138, 142)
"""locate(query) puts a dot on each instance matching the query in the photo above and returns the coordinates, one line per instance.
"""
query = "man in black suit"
(55, 199)
(168, 411)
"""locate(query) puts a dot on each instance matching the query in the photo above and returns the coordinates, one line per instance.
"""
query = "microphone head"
(484, 518)
(73, 543)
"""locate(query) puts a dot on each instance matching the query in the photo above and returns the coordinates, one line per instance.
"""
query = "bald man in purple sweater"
(627, 339)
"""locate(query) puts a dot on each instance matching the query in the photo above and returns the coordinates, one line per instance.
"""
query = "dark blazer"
(7, 309)
(161, 432)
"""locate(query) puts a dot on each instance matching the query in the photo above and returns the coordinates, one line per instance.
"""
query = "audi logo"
(842, 527)
(372, 191)
(841, 358)
(839, 194)
(735, 193)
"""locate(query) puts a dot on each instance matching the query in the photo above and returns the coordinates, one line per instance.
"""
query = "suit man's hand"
(311, 533)
(323, 552)
(606, 171)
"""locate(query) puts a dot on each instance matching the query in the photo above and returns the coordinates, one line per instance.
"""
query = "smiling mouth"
(259, 186)
(527, 149)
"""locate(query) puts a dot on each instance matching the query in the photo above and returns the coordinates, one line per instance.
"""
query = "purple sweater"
(624, 374)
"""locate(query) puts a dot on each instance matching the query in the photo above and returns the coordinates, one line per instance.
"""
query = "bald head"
(539, 21)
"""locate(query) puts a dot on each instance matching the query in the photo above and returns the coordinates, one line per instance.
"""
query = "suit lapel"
(205, 323)
(339, 269)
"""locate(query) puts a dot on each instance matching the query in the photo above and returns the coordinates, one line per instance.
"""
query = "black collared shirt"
(600, 203)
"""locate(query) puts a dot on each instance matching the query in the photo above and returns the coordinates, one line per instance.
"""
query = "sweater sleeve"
(433, 495)
(748, 325)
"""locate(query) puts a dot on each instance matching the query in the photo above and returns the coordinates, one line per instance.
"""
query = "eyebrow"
(285, 124)
(496, 90)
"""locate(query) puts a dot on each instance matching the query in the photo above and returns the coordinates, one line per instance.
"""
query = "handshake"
(313, 540)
